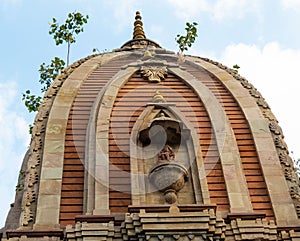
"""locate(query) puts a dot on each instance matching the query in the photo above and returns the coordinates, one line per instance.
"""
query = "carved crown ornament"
(154, 74)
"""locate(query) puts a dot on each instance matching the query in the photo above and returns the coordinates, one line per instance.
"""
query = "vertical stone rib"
(233, 173)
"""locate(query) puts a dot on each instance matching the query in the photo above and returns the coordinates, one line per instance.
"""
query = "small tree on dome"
(66, 32)
(61, 33)
(185, 41)
(236, 67)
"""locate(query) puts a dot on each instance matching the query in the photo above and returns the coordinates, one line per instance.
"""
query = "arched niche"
(164, 145)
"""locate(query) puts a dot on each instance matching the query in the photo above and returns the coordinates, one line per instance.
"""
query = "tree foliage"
(49, 72)
(32, 102)
(236, 67)
(61, 33)
(185, 41)
(66, 32)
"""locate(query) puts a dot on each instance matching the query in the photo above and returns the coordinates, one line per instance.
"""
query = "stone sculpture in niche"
(168, 176)
(166, 135)
(166, 154)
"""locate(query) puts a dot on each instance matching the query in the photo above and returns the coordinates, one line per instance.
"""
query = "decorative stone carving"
(166, 154)
(168, 178)
(27, 212)
(280, 143)
(282, 150)
(246, 84)
(158, 98)
(285, 159)
(255, 93)
(32, 177)
(294, 190)
(288, 173)
(275, 128)
(262, 102)
(55, 129)
(29, 197)
(154, 73)
(27, 216)
(139, 44)
(269, 115)
(36, 145)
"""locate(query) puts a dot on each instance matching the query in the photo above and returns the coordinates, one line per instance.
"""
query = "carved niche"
(167, 175)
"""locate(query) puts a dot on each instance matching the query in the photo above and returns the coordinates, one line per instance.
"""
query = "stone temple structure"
(142, 143)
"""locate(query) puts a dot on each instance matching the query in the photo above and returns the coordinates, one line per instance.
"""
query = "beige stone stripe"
(101, 162)
(282, 203)
(235, 181)
(48, 203)
(90, 154)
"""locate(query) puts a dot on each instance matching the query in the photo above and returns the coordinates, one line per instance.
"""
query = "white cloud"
(13, 142)
(219, 9)
(123, 10)
(234, 8)
(274, 71)
(291, 4)
(189, 8)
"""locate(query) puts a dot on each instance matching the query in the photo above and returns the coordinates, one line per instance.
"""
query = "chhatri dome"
(139, 144)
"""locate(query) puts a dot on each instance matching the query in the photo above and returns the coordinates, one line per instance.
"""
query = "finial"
(139, 40)
(138, 32)
(158, 97)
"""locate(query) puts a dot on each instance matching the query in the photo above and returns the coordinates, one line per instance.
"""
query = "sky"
(260, 36)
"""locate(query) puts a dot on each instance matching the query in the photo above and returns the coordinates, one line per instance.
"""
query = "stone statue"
(166, 154)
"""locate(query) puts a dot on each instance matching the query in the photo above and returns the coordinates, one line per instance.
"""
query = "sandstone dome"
(144, 144)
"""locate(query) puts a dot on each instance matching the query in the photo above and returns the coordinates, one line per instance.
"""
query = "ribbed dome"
(110, 121)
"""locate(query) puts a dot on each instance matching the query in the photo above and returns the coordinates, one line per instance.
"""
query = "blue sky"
(262, 36)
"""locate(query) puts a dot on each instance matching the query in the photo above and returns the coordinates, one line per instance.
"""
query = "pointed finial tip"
(138, 16)
(139, 39)
(138, 27)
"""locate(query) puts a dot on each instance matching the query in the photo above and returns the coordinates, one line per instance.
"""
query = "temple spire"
(139, 39)
(138, 32)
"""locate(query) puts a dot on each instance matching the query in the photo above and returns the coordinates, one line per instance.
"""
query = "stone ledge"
(288, 227)
(158, 221)
(118, 218)
(35, 233)
(245, 216)
(94, 218)
(166, 208)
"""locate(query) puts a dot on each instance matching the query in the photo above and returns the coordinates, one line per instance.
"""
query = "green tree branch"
(66, 32)
(185, 41)
(61, 33)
